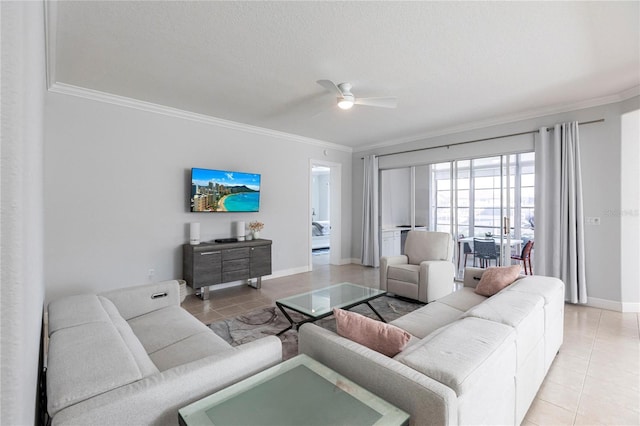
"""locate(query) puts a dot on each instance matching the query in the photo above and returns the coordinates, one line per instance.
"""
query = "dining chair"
(485, 250)
(467, 250)
(525, 257)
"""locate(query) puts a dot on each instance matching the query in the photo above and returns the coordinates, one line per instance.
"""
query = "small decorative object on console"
(255, 228)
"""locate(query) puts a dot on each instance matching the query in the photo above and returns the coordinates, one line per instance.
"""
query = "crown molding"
(50, 26)
(532, 114)
(95, 95)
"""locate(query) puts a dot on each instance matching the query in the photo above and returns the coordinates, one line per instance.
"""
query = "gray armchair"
(425, 272)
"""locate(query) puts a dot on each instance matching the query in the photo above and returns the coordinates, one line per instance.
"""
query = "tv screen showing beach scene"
(224, 191)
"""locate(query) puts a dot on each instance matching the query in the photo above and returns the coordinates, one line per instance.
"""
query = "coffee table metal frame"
(282, 304)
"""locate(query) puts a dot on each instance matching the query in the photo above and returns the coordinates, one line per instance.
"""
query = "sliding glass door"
(487, 198)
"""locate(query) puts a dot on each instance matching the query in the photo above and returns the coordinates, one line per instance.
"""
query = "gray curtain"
(559, 238)
(370, 255)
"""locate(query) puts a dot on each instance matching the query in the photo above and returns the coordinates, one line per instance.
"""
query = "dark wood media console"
(208, 264)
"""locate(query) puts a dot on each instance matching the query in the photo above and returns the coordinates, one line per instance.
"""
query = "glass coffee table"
(318, 304)
(299, 391)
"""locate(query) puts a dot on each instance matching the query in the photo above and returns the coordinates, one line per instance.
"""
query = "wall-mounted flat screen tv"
(224, 191)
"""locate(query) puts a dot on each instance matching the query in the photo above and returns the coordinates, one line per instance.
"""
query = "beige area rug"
(270, 321)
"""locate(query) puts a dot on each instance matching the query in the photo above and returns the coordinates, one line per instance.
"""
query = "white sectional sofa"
(470, 360)
(134, 356)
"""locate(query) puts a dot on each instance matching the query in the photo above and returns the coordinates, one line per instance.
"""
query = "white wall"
(601, 153)
(630, 210)
(117, 182)
(21, 298)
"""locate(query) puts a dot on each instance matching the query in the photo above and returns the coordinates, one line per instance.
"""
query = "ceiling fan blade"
(330, 86)
(389, 102)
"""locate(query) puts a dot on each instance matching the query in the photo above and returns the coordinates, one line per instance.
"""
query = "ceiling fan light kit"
(346, 99)
(345, 102)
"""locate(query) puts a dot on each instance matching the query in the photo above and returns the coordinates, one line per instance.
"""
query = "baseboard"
(612, 305)
(357, 262)
(287, 272)
(630, 307)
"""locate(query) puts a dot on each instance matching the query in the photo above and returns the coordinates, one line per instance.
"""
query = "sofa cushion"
(426, 245)
(404, 272)
(423, 321)
(508, 308)
(546, 287)
(75, 310)
(381, 337)
(552, 290)
(495, 279)
(524, 312)
(85, 361)
(145, 363)
(463, 299)
(164, 327)
(191, 349)
(464, 354)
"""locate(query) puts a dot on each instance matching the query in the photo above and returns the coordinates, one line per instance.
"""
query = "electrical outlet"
(595, 221)
(151, 273)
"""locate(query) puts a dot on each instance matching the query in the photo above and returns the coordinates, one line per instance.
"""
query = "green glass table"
(318, 304)
(299, 391)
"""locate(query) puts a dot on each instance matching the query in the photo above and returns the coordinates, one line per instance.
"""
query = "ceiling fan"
(346, 99)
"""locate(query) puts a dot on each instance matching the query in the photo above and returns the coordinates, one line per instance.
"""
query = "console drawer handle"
(206, 253)
(159, 295)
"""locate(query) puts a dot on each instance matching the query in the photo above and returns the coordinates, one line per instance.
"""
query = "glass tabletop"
(322, 301)
(296, 392)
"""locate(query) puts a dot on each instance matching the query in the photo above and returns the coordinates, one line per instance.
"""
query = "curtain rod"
(477, 140)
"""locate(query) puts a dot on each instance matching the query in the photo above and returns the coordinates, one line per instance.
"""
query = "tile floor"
(594, 380)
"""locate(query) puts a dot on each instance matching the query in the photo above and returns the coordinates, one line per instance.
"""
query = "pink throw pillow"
(496, 278)
(385, 338)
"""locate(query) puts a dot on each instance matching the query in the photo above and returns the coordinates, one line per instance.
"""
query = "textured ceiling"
(451, 64)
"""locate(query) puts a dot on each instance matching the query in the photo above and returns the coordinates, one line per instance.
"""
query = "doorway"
(324, 213)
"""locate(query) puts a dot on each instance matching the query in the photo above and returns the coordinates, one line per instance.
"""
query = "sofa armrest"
(428, 401)
(385, 261)
(155, 400)
(436, 279)
(472, 276)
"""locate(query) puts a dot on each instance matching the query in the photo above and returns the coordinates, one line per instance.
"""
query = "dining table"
(513, 242)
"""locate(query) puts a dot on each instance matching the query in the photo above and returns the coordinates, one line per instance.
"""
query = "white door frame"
(335, 210)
